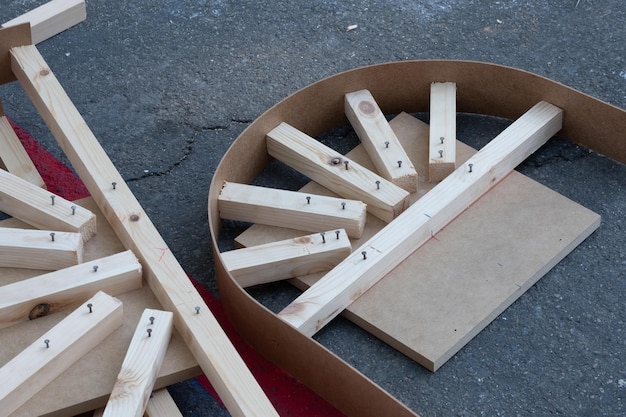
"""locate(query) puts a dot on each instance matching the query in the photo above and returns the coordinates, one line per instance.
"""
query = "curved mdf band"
(400, 86)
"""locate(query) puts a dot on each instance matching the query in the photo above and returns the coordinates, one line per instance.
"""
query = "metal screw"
(73, 210)
(343, 205)
(95, 268)
(52, 197)
(149, 332)
(90, 306)
(440, 154)
(399, 164)
(308, 200)
(52, 236)
(387, 144)
(151, 320)
(346, 164)
(377, 185)
(337, 233)
(470, 167)
(323, 237)
(441, 139)
(114, 184)
(197, 309)
(364, 253)
(47, 342)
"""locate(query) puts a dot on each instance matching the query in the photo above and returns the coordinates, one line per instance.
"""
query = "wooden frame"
(487, 89)
(39, 249)
(442, 134)
(379, 140)
(46, 294)
(289, 258)
(141, 365)
(42, 209)
(51, 18)
(329, 168)
(374, 259)
(56, 350)
(202, 333)
(291, 209)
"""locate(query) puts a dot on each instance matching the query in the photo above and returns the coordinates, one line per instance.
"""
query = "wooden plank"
(57, 349)
(379, 140)
(46, 294)
(14, 157)
(42, 209)
(313, 213)
(39, 249)
(335, 172)
(388, 248)
(51, 18)
(442, 141)
(142, 362)
(207, 341)
(289, 258)
(161, 404)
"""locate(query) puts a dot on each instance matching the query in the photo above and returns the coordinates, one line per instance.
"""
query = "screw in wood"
(343, 205)
(47, 342)
(52, 236)
(440, 154)
(52, 197)
(364, 253)
(399, 164)
(114, 184)
(151, 320)
(337, 233)
(470, 167)
(346, 164)
(73, 210)
(386, 144)
(377, 185)
(197, 309)
(149, 332)
(441, 139)
(308, 200)
(323, 235)
(90, 307)
(95, 268)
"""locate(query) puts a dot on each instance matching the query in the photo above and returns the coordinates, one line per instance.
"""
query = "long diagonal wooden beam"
(388, 248)
(203, 335)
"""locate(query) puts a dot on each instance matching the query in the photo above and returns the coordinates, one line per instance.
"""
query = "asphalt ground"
(167, 85)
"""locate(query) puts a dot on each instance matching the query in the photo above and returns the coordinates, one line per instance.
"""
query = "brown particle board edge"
(216, 355)
(397, 86)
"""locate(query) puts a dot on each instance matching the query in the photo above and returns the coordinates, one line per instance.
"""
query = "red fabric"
(289, 396)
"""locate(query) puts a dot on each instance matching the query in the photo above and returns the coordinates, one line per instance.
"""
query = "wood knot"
(335, 161)
(303, 240)
(134, 217)
(367, 107)
(40, 310)
(44, 72)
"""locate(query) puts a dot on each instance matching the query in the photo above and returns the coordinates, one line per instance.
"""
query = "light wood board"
(87, 384)
(493, 252)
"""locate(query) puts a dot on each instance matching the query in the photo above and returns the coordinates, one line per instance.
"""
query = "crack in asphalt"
(188, 149)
